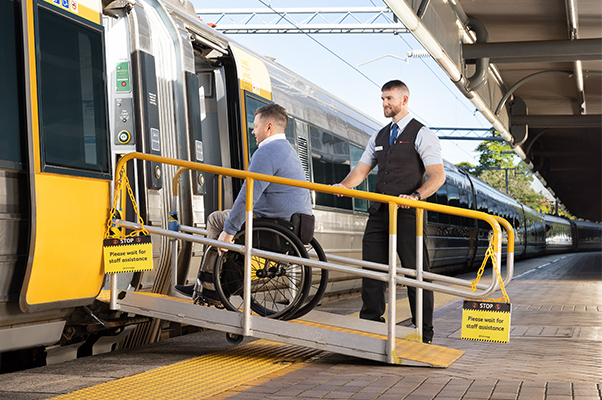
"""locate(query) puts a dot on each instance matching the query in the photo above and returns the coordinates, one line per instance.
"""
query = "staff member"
(404, 151)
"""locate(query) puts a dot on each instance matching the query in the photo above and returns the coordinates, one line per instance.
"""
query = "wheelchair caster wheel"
(233, 338)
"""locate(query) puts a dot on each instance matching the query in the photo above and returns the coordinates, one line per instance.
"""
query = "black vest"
(400, 168)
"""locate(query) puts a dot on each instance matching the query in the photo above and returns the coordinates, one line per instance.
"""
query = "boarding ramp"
(386, 343)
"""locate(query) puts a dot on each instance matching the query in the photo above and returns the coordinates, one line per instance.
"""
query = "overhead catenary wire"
(318, 42)
(412, 53)
(440, 80)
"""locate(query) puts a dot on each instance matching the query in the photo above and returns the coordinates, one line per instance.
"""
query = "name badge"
(378, 148)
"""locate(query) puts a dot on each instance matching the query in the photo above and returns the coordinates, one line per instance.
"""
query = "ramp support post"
(392, 282)
(419, 267)
(246, 326)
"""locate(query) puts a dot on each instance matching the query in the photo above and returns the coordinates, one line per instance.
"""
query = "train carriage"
(558, 234)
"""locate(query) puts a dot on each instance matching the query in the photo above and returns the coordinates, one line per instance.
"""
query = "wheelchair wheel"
(319, 282)
(278, 288)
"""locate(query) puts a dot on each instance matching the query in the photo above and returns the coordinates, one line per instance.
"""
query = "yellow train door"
(68, 152)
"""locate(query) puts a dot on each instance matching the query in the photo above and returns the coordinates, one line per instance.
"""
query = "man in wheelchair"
(274, 156)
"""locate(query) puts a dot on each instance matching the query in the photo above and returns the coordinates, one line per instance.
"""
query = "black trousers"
(375, 247)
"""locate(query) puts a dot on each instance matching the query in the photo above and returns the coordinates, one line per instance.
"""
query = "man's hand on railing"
(406, 196)
(224, 237)
(339, 186)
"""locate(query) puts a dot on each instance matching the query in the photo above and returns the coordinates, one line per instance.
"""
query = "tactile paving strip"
(203, 376)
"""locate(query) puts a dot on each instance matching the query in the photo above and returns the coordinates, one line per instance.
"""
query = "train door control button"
(124, 137)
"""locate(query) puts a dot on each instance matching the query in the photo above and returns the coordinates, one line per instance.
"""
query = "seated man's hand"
(224, 237)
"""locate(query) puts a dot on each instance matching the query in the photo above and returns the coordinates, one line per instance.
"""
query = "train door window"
(206, 84)
(12, 141)
(441, 197)
(356, 154)
(330, 163)
(252, 104)
(72, 88)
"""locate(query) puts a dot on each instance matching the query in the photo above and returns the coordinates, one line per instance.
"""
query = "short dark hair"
(275, 113)
(395, 84)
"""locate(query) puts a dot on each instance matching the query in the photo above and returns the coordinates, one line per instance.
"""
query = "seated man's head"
(269, 120)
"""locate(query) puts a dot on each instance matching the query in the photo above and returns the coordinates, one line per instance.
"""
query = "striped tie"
(394, 129)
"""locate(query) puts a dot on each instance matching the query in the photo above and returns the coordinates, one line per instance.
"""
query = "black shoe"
(185, 290)
(427, 335)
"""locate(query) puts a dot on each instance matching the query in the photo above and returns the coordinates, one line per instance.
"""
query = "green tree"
(494, 154)
(466, 166)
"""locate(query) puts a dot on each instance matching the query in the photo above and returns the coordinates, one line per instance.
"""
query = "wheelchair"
(279, 290)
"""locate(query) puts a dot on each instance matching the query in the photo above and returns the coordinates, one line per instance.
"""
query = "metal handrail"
(411, 272)
(391, 277)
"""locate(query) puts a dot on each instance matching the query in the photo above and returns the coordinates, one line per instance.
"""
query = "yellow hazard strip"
(408, 348)
(203, 376)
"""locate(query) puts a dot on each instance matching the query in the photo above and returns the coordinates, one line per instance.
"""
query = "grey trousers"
(215, 223)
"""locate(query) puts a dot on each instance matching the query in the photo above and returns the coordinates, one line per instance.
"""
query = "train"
(86, 82)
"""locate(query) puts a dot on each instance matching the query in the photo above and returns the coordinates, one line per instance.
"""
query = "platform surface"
(555, 352)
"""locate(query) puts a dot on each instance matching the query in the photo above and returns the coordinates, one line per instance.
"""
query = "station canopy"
(534, 69)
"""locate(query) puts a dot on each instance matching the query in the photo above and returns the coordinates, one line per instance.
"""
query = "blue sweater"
(271, 200)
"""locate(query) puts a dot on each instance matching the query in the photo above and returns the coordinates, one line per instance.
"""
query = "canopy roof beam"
(535, 51)
(558, 121)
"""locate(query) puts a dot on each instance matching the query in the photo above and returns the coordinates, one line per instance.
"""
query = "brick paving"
(555, 350)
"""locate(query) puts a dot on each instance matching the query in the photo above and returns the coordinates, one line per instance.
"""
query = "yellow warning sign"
(486, 321)
(130, 254)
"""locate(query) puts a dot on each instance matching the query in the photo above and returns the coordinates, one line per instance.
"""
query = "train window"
(453, 196)
(372, 180)
(464, 199)
(453, 199)
(252, 104)
(481, 204)
(432, 216)
(330, 164)
(206, 84)
(464, 203)
(359, 204)
(72, 88)
(12, 142)
(441, 195)
(441, 198)
(290, 131)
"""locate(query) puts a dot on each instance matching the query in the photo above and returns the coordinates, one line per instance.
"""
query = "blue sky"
(433, 97)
